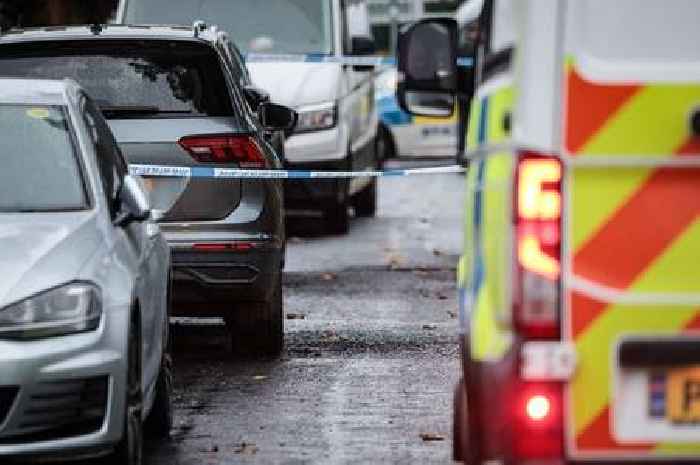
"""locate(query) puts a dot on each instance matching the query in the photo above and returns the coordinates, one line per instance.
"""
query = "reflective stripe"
(633, 233)
(487, 251)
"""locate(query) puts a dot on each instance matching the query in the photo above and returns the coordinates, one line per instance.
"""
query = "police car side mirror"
(277, 117)
(428, 78)
(363, 46)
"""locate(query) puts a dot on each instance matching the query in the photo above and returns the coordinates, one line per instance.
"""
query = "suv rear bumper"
(212, 283)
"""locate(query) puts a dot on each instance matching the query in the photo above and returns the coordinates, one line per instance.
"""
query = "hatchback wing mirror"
(135, 205)
(428, 77)
(363, 46)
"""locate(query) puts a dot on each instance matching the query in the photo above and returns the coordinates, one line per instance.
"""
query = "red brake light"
(539, 422)
(225, 148)
(538, 207)
(538, 407)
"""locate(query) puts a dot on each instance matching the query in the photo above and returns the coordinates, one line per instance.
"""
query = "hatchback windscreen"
(134, 79)
(271, 26)
(39, 170)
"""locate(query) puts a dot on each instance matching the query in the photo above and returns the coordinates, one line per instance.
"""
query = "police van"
(580, 280)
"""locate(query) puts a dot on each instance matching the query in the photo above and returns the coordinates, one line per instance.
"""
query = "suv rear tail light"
(539, 422)
(538, 206)
(225, 148)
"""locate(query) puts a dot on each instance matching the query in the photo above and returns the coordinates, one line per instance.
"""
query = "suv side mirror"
(427, 68)
(135, 205)
(363, 46)
(277, 117)
(255, 96)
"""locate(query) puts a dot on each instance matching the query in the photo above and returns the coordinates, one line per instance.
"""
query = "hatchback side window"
(110, 162)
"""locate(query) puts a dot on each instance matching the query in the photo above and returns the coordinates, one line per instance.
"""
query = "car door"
(359, 94)
(139, 241)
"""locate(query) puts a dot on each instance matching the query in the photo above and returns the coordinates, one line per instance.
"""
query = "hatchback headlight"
(73, 308)
(317, 117)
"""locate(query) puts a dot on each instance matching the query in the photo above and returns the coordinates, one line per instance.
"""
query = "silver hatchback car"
(84, 365)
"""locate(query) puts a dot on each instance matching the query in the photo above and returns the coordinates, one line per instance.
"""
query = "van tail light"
(539, 421)
(224, 149)
(538, 208)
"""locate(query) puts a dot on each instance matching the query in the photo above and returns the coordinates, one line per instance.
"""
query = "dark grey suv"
(173, 96)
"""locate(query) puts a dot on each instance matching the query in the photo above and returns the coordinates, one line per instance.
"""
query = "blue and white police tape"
(322, 58)
(160, 171)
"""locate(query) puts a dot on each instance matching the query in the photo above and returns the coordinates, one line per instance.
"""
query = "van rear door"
(632, 228)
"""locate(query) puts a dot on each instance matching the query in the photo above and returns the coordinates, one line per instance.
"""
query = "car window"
(131, 79)
(110, 162)
(39, 168)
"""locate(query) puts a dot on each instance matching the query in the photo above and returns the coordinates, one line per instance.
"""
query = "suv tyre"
(257, 329)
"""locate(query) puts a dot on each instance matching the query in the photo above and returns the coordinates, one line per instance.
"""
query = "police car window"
(151, 80)
(652, 30)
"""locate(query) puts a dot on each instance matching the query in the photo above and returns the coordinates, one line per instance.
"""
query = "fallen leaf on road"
(296, 316)
(396, 262)
(428, 437)
(246, 449)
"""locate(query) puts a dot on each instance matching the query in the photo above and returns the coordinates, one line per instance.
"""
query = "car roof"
(37, 91)
(200, 31)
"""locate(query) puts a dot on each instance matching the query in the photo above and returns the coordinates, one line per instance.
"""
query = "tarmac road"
(371, 358)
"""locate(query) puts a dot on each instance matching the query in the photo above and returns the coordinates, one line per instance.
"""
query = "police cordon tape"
(346, 60)
(160, 171)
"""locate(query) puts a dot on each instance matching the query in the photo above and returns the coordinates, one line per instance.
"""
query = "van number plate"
(675, 395)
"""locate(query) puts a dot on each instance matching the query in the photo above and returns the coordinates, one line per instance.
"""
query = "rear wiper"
(136, 110)
(129, 110)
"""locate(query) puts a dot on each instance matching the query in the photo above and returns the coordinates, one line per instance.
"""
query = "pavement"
(371, 357)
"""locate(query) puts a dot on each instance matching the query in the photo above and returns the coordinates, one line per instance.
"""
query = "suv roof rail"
(198, 27)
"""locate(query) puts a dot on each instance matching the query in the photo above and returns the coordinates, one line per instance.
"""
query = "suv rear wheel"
(257, 330)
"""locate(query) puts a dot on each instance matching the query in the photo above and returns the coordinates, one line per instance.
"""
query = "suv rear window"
(130, 79)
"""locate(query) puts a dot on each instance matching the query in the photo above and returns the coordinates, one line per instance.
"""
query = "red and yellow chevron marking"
(632, 229)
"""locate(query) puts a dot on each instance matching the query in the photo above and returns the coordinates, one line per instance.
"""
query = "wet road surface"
(371, 356)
